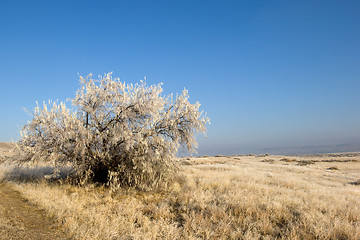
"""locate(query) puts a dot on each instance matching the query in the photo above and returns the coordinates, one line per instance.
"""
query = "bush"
(115, 131)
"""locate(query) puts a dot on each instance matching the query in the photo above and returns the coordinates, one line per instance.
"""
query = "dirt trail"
(20, 219)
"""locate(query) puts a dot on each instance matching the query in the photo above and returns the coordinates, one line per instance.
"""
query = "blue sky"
(268, 73)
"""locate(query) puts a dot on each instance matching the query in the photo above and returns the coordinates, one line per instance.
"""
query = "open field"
(234, 197)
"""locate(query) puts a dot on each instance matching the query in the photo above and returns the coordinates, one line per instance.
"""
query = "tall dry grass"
(242, 197)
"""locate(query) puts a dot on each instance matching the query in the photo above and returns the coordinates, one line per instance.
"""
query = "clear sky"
(268, 73)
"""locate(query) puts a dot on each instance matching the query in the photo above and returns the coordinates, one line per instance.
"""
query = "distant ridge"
(314, 149)
(6, 145)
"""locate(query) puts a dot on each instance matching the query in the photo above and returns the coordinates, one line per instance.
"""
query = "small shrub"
(357, 182)
(268, 160)
(305, 162)
(263, 155)
(287, 160)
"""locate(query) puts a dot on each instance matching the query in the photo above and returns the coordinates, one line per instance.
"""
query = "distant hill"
(314, 149)
(6, 150)
(295, 150)
(6, 146)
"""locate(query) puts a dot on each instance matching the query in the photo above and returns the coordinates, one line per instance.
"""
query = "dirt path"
(20, 219)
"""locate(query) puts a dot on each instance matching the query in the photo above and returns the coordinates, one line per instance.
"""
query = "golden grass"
(238, 197)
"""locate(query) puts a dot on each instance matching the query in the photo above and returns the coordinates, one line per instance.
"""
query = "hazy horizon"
(273, 74)
(285, 150)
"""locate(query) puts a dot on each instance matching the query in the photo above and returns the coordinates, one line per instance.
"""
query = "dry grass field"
(223, 197)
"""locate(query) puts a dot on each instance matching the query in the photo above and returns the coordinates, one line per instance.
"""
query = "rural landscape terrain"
(220, 197)
(180, 120)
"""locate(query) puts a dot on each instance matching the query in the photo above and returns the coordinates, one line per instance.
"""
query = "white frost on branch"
(129, 129)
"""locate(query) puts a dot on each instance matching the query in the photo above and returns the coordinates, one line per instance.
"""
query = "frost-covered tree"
(116, 132)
